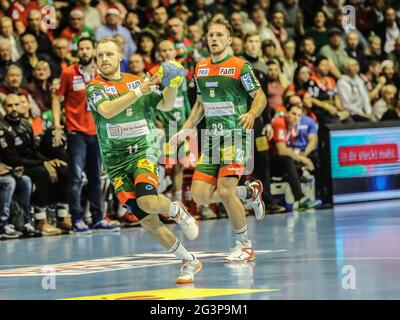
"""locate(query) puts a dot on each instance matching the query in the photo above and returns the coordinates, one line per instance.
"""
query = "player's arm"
(196, 114)
(168, 99)
(312, 144)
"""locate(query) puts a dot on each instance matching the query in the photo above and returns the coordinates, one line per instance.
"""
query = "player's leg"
(177, 180)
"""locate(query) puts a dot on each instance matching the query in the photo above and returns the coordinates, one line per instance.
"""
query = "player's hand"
(268, 131)
(308, 163)
(247, 120)
(52, 171)
(56, 163)
(4, 169)
(149, 84)
(59, 136)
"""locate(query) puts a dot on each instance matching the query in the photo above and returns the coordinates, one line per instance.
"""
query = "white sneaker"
(188, 270)
(188, 224)
(241, 253)
(256, 202)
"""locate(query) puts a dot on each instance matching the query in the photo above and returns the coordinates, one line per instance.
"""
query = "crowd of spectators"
(315, 67)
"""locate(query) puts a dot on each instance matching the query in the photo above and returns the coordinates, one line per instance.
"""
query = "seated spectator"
(76, 30)
(374, 50)
(133, 6)
(395, 54)
(41, 86)
(301, 77)
(147, 49)
(19, 11)
(318, 31)
(385, 103)
(393, 114)
(200, 50)
(92, 15)
(353, 93)
(7, 33)
(49, 175)
(105, 5)
(307, 53)
(276, 86)
(31, 56)
(158, 27)
(269, 53)
(5, 57)
(124, 62)
(61, 57)
(278, 27)
(389, 73)
(201, 15)
(335, 52)
(290, 10)
(113, 27)
(136, 65)
(236, 20)
(284, 157)
(13, 84)
(355, 50)
(289, 65)
(35, 20)
(326, 103)
(374, 80)
(132, 24)
(237, 46)
(388, 30)
(308, 106)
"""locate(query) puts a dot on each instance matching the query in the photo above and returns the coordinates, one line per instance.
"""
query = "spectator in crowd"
(395, 54)
(308, 106)
(105, 5)
(290, 10)
(132, 6)
(388, 30)
(82, 145)
(124, 62)
(147, 49)
(76, 29)
(19, 11)
(31, 56)
(278, 27)
(158, 27)
(330, 8)
(289, 65)
(284, 157)
(5, 57)
(181, 11)
(307, 53)
(374, 80)
(374, 50)
(13, 84)
(354, 50)
(48, 175)
(136, 65)
(237, 46)
(318, 32)
(41, 86)
(132, 24)
(335, 52)
(276, 86)
(389, 73)
(299, 86)
(353, 93)
(385, 103)
(35, 19)
(236, 20)
(393, 114)
(92, 15)
(374, 14)
(61, 58)
(113, 27)
(7, 32)
(200, 14)
(200, 50)
(326, 103)
(269, 52)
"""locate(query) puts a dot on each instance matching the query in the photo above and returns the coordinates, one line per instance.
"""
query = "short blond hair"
(222, 21)
(109, 39)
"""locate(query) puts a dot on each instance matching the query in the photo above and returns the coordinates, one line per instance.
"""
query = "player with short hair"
(224, 83)
(123, 107)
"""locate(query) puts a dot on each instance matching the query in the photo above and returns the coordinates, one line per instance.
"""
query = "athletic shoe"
(275, 208)
(65, 224)
(29, 231)
(105, 226)
(241, 253)
(47, 229)
(129, 219)
(80, 227)
(188, 224)
(112, 221)
(188, 270)
(256, 202)
(306, 203)
(9, 232)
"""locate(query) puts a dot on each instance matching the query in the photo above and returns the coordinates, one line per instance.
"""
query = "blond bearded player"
(123, 107)
(224, 83)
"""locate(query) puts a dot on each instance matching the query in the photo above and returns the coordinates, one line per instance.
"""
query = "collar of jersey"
(109, 80)
(223, 60)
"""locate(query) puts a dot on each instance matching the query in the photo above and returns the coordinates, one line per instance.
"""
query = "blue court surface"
(351, 252)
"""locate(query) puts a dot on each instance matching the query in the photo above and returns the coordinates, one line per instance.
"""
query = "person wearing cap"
(104, 5)
(76, 30)
(92, 15)
(112, 28)
(335, 52)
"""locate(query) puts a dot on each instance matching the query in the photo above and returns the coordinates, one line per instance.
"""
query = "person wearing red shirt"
(19, 10)
(82, 146)
(284, 157)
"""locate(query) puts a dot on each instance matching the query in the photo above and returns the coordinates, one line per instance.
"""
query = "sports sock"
(244, 192)
(180, 252)
(242, 236)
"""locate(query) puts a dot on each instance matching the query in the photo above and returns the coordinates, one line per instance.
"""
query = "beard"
(14, 115)
(85, 61)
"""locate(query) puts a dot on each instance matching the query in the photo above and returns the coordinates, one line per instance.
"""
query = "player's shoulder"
(97, 81)
(237, 62)
(129, 77)
(70, 70)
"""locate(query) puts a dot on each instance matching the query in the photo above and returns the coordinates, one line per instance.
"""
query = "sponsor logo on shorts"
(212, 84)
(118, 182)
(227, 71)
(149, 187)
(146, 164)
(111, 90)
(203, 72)
(247, 82)
(133, 85)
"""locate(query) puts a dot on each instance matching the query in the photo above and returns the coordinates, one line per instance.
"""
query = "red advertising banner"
(368, 154)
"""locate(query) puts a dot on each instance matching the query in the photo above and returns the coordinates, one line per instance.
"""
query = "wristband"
(138, 92)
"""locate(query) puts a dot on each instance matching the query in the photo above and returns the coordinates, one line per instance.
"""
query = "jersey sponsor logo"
(111, 90)
(96, 96)
(127, 130)
(133, 85)
(212, 84)
(118, 182)
(247, 82)
(78, 83)
(129, 112)
(216, 109)
(146, 164)
(281, 135)
(227, 71)
(203, 72)
(212, 93)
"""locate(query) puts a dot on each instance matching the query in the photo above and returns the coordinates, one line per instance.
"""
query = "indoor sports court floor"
(351, 252)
